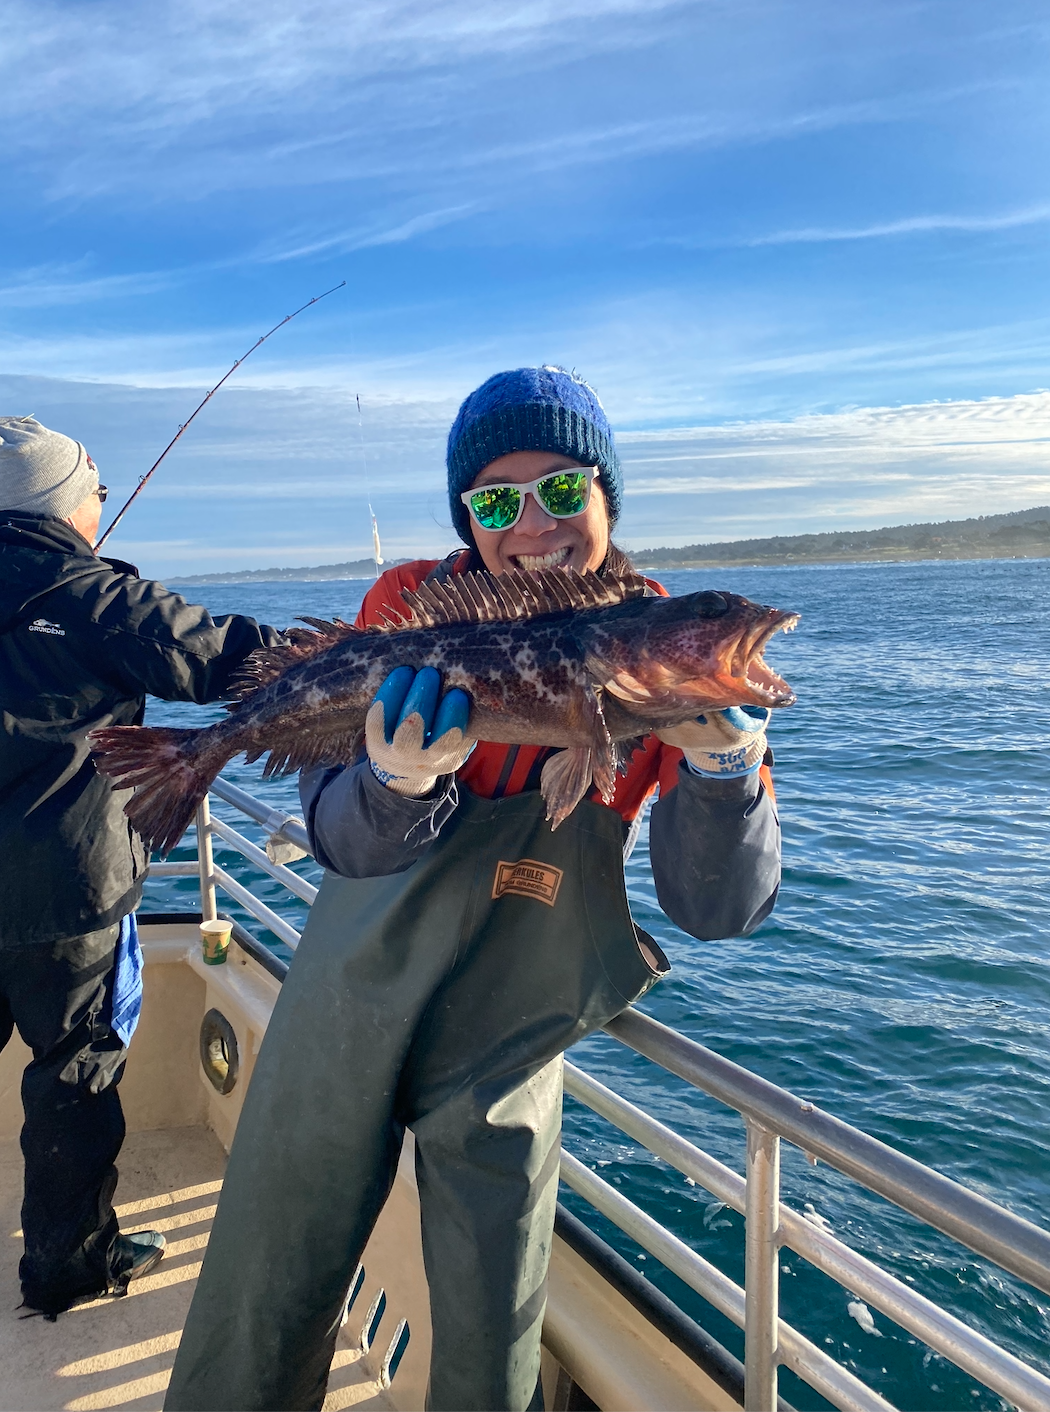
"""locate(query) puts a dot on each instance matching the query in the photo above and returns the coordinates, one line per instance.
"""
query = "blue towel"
(127, 981)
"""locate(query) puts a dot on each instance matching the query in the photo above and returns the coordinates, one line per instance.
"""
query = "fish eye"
(710, 605)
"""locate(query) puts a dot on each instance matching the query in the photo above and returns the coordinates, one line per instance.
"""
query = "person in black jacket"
(83, 641)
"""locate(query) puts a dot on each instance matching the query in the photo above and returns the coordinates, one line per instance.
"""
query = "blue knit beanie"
(530, 409)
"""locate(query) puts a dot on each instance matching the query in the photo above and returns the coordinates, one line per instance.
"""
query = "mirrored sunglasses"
(562, 495)
(102, 491)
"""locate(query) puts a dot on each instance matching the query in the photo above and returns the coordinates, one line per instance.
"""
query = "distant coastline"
(1023, 534)
(351, 569)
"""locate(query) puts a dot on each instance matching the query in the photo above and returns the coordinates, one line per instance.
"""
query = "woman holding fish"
(473, 920)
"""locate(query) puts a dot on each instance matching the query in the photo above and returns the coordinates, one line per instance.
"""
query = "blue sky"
(799, 249)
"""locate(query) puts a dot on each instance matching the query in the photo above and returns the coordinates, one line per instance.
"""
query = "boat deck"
(118, 1352)
(110, 1352)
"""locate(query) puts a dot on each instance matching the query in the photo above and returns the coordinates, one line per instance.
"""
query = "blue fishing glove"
(413, 733)
(722, 744)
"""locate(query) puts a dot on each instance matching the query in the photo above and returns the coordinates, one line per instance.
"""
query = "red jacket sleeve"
(386, 591)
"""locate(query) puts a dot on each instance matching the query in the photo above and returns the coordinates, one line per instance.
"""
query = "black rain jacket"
(83, 641)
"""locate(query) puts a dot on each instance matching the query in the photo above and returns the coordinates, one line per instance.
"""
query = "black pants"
(58, 994)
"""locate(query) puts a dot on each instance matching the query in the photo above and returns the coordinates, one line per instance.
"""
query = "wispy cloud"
(366, 239)
(708, 126)
(952, 427)
(908, 225)
(699, 485)
(657, 360)
(866, 466)
(55, 286)
(190, 554)
(144, 80)
(212, 96)
(66, 285)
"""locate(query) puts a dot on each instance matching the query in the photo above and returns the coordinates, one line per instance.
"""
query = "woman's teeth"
(533, 563)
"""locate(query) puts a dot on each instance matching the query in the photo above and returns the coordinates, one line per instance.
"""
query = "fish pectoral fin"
(624, 749)
(656, 686)
(564, 780)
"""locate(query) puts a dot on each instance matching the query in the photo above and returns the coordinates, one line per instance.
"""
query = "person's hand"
(722, 744)
(413, 733)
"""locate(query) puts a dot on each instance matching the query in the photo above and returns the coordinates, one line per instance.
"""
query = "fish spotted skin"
(555, 659)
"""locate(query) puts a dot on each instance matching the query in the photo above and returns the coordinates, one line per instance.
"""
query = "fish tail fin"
(170, 771)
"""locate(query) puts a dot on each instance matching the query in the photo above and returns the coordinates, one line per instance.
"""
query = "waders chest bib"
(441, 999)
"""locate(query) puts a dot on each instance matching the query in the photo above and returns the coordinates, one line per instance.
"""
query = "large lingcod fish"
(553, 658)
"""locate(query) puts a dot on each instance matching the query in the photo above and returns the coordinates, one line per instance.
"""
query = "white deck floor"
(119, 1352)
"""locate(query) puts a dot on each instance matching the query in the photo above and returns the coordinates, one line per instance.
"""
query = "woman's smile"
(538, 540)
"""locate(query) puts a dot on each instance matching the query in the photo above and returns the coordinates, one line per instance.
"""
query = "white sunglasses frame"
(592, 473)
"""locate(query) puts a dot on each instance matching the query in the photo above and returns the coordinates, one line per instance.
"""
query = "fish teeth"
(534, 563)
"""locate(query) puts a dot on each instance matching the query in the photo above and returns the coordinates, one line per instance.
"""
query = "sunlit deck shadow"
(119, 1352)
(113, 1352)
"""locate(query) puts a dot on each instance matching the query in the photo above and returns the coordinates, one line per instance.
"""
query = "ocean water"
(903, 981)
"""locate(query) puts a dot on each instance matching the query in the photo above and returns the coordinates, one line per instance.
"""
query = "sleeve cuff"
(722, 787)
(410, 806)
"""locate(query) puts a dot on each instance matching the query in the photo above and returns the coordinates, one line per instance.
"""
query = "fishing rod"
(259, 342)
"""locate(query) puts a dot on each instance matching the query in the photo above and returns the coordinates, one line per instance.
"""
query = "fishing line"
(257, 344)
(377, 553)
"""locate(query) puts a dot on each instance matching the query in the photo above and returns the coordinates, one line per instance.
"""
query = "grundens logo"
(42, 625)
(528, 878)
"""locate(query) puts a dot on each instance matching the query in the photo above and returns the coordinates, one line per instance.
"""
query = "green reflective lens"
(565, 494)
(496, 507)
(562, 495)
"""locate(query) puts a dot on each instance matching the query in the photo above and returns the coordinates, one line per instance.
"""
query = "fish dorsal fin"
(510, 597)
(266, 664)
(329, 633)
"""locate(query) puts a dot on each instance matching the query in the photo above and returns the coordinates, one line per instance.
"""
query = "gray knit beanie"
(41, 471)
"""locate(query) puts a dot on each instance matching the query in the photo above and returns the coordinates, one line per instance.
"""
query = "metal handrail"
(275, 821)
(813, 1365)
(258, 910)
(172, 870)
(292, 881)
(769, 1113)
(1000, 1370)
(1008, 1240)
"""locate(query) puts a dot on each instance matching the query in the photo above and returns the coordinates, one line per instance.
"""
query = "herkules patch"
(528, 878)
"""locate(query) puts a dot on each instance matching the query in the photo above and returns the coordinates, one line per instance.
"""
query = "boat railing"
(771, 1115)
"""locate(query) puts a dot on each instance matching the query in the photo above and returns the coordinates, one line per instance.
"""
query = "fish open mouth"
(771, 689)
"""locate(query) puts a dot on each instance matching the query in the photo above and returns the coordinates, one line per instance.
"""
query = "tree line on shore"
(1022, 533)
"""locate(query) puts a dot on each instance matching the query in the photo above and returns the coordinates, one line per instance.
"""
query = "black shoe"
(130, 1256)
(136, 1255)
